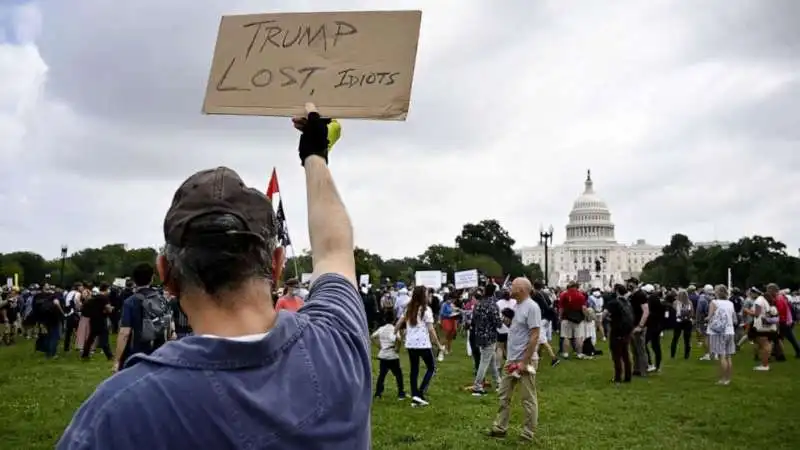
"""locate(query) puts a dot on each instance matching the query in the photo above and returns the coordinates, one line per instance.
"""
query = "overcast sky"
(687, 113)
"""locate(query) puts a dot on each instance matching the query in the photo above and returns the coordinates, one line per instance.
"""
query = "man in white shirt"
(502, 332)
(72, 305)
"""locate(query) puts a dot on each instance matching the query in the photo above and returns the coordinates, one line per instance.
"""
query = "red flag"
(272, 187)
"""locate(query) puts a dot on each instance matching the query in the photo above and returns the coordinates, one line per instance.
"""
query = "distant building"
(715, 243)
(590, 238)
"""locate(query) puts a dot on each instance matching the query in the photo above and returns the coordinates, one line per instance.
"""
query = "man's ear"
(162, 266)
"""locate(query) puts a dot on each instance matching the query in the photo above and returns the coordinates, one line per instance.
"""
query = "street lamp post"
(100, 276)
(63, 261)
(546, 238)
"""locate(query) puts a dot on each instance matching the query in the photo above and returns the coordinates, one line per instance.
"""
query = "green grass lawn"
(578, 407)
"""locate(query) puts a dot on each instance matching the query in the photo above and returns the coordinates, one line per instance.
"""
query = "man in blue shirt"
(250, 378)
(129, 340)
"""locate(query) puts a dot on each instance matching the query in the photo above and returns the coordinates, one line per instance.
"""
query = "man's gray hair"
(223, 265)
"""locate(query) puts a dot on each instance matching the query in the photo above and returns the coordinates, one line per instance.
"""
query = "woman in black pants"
(684, 313)
(655, 323)
(420, 336)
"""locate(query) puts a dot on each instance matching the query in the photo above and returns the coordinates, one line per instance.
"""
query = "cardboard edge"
(332, 111)
(204, 108)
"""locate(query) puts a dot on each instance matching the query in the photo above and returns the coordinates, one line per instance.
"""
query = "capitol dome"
(590, 219)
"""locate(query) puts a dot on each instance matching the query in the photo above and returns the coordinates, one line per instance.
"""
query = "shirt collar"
(204, 353)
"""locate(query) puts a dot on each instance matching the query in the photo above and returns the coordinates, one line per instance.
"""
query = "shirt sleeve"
(127, 313)
(335, 301)
(428, 317)
(534, 319)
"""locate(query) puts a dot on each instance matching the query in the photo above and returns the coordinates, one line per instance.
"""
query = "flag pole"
(274, 188)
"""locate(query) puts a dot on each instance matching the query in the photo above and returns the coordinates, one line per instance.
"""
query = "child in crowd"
(388, 358)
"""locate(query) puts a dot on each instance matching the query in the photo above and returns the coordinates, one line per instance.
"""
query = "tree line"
(485, 246)
(753, 261)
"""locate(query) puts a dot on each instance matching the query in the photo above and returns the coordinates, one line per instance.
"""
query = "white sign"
(363, 279)
(428, 278)
(444, 277)
(119, 282)
(466, 279)
(10, 282)
(305, 278)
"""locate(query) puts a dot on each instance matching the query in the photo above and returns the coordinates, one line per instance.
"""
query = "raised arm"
(329, 227)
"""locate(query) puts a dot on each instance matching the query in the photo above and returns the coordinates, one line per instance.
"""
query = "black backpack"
(156, 315)
(547, 311)
(43, 306)
(737, 303)
(626, 324)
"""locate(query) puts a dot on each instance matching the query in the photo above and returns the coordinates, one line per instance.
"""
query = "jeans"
(426, 355)
(386, 366)
(621, 356)
(99, 331)
(51, 341)
(476, 352)
(653, 337)
(787, 333)
(70, 327)
(682, 328)
(639, 352)
(487, 361)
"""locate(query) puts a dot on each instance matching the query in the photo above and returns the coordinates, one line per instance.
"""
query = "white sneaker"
(440, 358)
(761, 368)
(651, 369)
(565, 355)
(705, 357)
(417, 401)
(580, 356)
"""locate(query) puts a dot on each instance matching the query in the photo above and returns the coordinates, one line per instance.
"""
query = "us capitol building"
(591, 245)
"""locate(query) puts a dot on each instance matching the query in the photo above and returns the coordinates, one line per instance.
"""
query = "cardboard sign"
(466, 279)
(349, 64)
(428, 278)
(363, 279)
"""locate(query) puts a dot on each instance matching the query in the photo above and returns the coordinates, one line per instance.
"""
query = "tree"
(753, 261)
(534, 272)
(485, 265)
(443, 258)
(489, 238)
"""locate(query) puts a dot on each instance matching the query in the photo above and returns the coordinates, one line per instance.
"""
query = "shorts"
(721, 344)
(502, 337)
(545, 332)
(767, 334)
(571, 330)
(449, 327)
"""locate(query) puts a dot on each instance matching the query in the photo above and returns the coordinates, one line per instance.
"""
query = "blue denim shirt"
(306, 385)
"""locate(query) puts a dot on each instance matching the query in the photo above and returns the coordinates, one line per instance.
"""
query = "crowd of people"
(632, 317)
(295, 372)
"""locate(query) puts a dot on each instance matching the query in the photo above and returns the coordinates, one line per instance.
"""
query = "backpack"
(387, 302)
(795, 310)
(720, 321)
(737, 303)
(43, 306)
(547, 311)
(626, 325)
(155, 315)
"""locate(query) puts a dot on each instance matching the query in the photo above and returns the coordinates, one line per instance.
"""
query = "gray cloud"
(685, 113)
